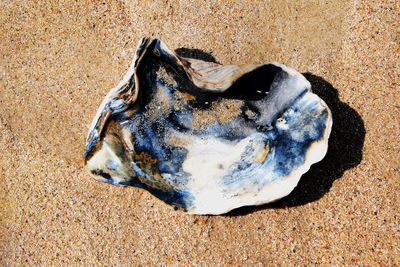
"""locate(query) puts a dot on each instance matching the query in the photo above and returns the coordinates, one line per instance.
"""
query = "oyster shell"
(207, 138)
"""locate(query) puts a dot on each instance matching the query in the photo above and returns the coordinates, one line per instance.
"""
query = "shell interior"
(204, 137)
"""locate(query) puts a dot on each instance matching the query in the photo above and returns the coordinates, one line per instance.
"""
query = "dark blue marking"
(180, 121)
(173, 160)
(152, 141)
(291, 153)
(111, 165)
(91, 145)
(286, 153)
(103, 174)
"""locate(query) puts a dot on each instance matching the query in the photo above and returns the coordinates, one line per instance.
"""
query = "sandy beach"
(58, 60)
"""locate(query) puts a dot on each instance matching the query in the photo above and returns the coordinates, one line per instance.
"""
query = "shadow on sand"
(344, 151)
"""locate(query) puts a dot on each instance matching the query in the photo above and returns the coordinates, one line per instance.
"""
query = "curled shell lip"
(207, 138)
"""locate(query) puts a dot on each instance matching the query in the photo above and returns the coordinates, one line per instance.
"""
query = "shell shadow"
(344, 149)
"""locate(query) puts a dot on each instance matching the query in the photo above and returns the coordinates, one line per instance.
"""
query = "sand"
(57, 62)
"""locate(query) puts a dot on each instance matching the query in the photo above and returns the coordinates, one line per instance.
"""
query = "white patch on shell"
(208, 159)
(211, 201)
